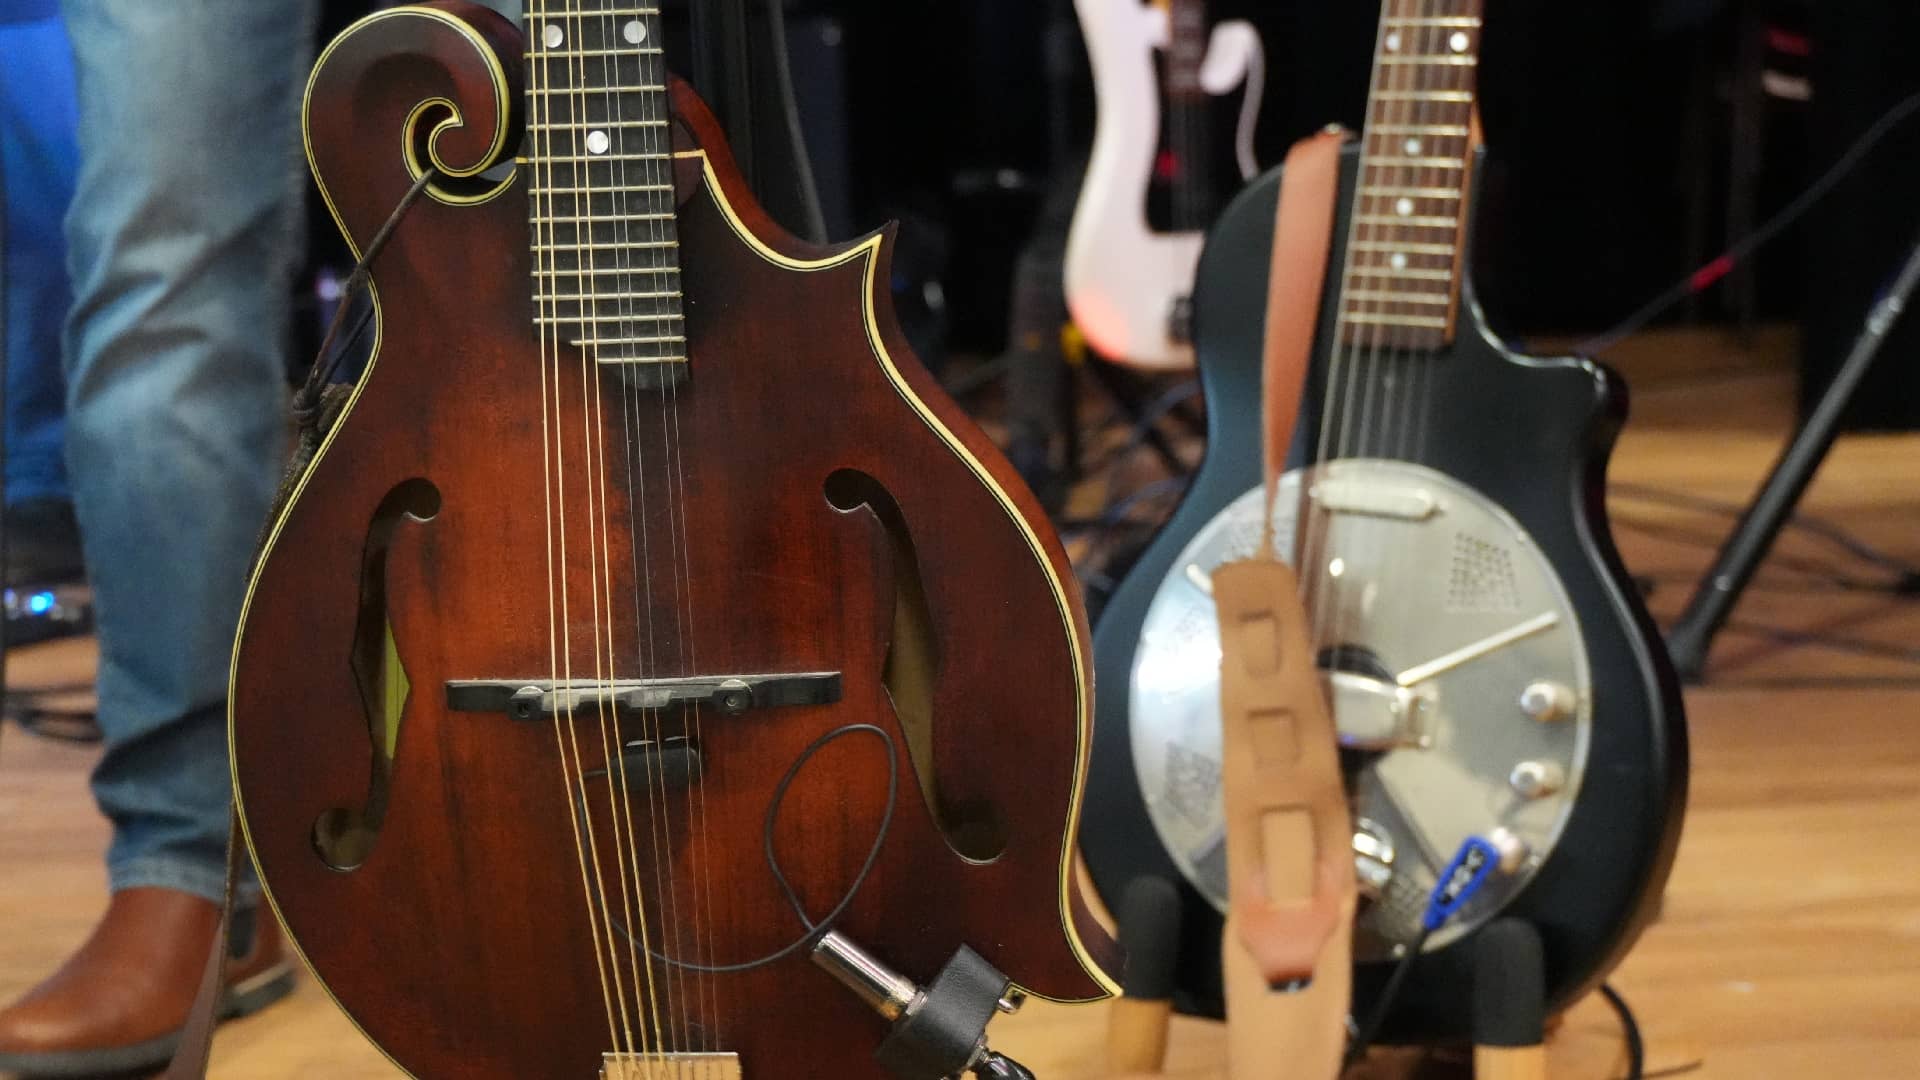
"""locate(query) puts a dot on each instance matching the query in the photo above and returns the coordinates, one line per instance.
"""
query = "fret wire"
(610, 298)
(589, 125)
(1409, 275)
(592, 159)
(562, 320)
(598, 219)
(576, 54)
(1390, 220)
(635, 245)
(1462, 96)
(604, 271)
(1444, 131)
(668, 339)
(1431, 60)
(564, 13)
(1380, 161)
(596, 190)
(1415, 192)
(587, 91)
(1391, 297)
(1418, 322)
(1463, 22)
(1407, 249)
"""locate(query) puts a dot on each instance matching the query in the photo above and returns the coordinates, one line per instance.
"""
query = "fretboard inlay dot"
(597, 142)
(1460, 41)
(635, 32)
(1404, 207)
(1414, 147)
(553, 36)
(1393, 42)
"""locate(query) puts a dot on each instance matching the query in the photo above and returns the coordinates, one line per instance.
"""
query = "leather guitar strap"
(1289, 836)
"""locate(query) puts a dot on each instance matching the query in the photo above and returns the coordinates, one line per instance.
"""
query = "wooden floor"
(1789, 946)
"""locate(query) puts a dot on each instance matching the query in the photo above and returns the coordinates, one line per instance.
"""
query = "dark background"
(1612, 132)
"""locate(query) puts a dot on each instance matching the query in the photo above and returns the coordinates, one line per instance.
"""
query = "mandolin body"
(1531, 434)
(804, 500)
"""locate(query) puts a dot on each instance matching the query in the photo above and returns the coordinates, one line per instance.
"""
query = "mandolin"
(1492, 672)
(620, 685)
(1162, 163)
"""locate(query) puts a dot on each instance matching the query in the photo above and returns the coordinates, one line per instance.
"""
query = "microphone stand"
(1692, 636)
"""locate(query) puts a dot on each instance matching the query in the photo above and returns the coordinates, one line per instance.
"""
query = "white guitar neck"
(1126, 283)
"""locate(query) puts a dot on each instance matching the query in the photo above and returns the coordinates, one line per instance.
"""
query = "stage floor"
(1789, 943)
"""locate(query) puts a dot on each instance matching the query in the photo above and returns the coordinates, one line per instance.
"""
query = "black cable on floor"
(1630, 1028)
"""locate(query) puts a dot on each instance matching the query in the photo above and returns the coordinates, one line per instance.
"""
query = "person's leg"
(183, 237)
(38, 158)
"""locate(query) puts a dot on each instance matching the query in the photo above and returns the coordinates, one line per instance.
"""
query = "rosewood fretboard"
(606, 274)
(1401, 284)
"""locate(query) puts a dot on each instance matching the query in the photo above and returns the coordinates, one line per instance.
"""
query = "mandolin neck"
(1401, 283)
(599, 148)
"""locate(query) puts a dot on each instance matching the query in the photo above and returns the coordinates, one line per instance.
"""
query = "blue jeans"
(38, 157)
(183, 237)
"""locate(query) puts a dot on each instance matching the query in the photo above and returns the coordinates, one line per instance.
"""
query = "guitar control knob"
(1536, 779)
(1548, 701)
(1372, 858)
(1513, 850)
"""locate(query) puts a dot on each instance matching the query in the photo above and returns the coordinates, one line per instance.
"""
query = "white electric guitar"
(1128, 281)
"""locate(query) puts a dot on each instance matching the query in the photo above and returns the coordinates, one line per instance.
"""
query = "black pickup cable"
(814, 930)
(1363, 1032)
(317, 404)
(1456, 886)
(327, 361)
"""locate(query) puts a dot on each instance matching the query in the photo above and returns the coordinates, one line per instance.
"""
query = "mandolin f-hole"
(974, 830)
(344, 836)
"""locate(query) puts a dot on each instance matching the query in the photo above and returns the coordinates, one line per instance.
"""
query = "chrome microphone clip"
(938, 1031)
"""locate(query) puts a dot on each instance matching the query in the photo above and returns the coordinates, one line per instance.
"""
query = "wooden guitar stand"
(1509, 1008)
(1512, 1033)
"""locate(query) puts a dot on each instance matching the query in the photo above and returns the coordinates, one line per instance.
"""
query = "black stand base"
(1509, 986)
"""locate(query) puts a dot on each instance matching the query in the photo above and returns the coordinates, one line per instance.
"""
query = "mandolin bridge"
(670, 1067)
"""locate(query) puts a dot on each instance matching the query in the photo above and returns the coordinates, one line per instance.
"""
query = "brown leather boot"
(118, 1005)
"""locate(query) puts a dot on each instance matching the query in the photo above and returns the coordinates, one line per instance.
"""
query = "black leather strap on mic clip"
(941, 1035)
(316, 408)
(938, 1032)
